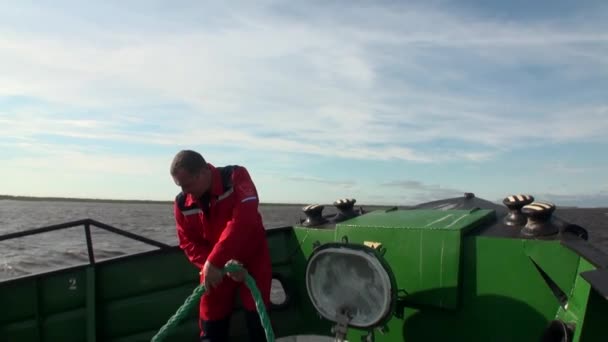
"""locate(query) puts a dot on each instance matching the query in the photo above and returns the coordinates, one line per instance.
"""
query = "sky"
(387, 102)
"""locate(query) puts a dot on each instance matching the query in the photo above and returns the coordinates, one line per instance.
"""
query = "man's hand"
(236, 276)
(212, 275)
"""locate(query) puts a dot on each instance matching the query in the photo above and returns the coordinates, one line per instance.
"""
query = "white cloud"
(561, 168)
(595, 199)
(329, 88)
(308, 179)
(412, 191)
(71, 159)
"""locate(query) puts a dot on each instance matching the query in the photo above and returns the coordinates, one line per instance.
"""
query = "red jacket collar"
(216, 181)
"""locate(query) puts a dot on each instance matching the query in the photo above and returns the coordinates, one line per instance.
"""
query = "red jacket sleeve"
(239, 237)
(193, 244)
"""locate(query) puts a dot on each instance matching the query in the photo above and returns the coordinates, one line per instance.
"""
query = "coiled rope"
(194, 298)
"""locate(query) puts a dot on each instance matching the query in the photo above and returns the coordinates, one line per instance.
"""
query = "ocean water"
(68, 247)
(155, 221)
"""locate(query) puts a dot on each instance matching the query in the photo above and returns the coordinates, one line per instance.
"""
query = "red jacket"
(225, 224)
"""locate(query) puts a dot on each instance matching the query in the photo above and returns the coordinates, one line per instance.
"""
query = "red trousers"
(217, 303)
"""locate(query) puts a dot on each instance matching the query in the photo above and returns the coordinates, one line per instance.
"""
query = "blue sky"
(387, 102)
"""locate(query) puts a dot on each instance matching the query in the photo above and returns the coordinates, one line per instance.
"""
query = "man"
(218, 222)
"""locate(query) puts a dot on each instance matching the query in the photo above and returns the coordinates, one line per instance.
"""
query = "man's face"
(195, 184)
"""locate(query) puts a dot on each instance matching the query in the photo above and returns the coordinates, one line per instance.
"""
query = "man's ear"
(206, 172)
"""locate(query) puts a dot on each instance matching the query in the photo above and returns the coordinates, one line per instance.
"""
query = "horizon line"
(142, 201)
(115, 200)
(97, 199)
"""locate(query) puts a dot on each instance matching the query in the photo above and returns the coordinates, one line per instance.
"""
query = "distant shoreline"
(103, 200)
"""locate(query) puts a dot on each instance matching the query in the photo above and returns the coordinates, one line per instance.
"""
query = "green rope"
(193, 299)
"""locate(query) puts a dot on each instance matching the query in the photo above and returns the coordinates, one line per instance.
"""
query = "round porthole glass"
(351, 278)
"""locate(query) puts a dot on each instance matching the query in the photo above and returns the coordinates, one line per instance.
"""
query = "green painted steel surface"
(107, 301)
(129, 299)
(307, 238)
(139, 295)
(457, 286)
(464, 287)
(504, 298)
(596, 317)
(560, 263)
(574, 311)
(91, 305)
(422, 245)
(459, 220)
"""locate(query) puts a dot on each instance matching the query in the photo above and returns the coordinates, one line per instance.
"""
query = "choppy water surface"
(68, 247)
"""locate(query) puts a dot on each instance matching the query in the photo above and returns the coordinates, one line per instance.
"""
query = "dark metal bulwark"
(86, 223)
(598, 280)
(87, 233)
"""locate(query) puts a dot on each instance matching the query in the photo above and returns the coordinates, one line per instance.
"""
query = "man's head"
(190, 171)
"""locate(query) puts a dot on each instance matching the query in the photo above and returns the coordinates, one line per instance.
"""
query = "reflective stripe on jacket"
(225, 224)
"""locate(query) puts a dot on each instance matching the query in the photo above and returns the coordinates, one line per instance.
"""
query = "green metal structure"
(459, 269)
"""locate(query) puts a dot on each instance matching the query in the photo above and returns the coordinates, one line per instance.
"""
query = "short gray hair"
(189, 160)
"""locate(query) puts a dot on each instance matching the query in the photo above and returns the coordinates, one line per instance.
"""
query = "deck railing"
(87, 224)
